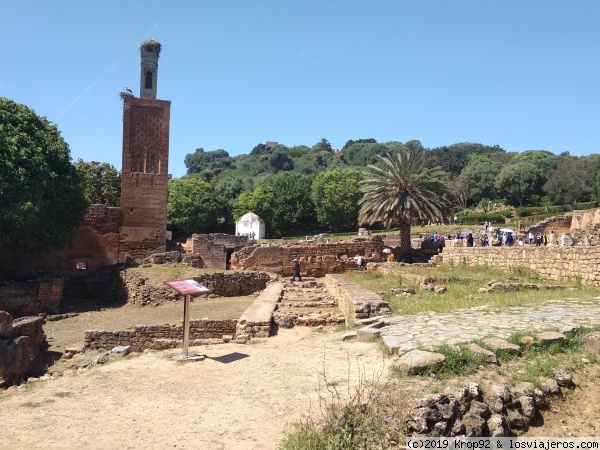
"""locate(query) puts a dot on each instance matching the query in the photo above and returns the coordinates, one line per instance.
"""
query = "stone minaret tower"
(150, 51)
(144, 175)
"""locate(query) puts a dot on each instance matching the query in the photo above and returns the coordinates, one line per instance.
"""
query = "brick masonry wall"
(315, 259)
(214, 256)
(553, 263)
(154, 336)
(96, 242)
(231, 284)
(144, 178)
(212, 248)
(30, 298)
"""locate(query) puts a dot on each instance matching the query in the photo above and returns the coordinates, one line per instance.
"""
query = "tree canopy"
(102, 182)
(475, 174)
(401, 188)
(193, 206)
(336, 194)
(42, 198)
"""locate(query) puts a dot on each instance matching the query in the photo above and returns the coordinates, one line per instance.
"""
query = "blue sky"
(524, 75)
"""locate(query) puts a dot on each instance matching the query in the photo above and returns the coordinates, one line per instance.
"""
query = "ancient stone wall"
(355, 301)
(315, 259)
(96, 244)
(585, 226)
(560, 225)
(143, 337)
(135, 288)
(212, 248)
(256, 321)
(227, 240)
(84, 289)
(22, 343)
(31, 297)
(554, 263)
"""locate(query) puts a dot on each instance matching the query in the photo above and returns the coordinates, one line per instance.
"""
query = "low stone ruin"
(494, 285)
(22, 343)
(137, 290)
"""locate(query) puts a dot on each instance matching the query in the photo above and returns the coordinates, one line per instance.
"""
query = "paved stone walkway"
(404, 333)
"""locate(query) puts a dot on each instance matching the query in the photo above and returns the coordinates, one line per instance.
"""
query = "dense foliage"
(475, 175)
(42, 198)
(193, 206)
(102, 182)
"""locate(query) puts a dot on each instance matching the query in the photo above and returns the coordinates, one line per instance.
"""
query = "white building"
(248, 224)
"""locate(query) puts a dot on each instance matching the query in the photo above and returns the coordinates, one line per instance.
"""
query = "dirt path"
(240, 397)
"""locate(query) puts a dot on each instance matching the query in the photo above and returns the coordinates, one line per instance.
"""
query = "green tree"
(193, 206)
(279, 161)
(260, 201)
(480, 175)
(519, 182)
(323, 146)
(453, 159)
(401, 188)
(284, 204)
(571, 182)
(336, 194)
(41, 192)
(102, 182)
(201, 161)
(361, 154)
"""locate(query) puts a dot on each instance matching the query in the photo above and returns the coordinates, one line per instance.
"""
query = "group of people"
(507, 238)
(540, 239)
(360, 264)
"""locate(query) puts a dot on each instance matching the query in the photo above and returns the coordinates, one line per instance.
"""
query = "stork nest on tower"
(151, 46)
(125, 94)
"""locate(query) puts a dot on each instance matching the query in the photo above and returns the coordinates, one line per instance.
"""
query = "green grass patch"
(463, 284)
(459, 362)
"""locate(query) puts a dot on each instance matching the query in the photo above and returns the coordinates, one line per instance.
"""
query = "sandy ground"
(240, 397)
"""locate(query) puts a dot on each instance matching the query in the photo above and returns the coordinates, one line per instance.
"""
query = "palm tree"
(402, 188)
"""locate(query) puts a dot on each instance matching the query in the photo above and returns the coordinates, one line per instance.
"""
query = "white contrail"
(106, 72)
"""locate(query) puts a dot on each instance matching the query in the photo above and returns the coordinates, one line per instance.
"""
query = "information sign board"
(187, 287)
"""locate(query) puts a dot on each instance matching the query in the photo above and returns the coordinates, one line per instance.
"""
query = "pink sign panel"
(187, 287)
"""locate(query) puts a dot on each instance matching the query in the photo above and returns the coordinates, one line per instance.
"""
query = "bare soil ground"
(239, 397)
(69, 332)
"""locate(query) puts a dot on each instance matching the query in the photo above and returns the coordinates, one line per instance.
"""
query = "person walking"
(296, 270)
(359, 262)
(551, 238)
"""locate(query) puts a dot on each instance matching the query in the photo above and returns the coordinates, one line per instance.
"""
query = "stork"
(128, 90)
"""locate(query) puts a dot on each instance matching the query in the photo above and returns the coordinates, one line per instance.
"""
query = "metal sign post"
(187, 288)
(186, 325)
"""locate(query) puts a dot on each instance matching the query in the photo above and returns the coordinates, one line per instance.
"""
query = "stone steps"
(307, 303)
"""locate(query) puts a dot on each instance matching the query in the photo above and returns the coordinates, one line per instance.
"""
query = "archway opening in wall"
(148, 81)
(228, 258)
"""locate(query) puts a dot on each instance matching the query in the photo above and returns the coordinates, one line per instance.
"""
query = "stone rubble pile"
(496, 411)
(494, 285)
